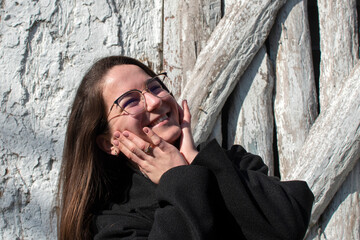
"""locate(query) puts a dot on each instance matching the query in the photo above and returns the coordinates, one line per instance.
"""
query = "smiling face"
(161, 114)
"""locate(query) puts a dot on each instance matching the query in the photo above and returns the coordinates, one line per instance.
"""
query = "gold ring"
(148, 150)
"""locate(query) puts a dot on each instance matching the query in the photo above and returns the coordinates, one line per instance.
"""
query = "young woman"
(130, 170)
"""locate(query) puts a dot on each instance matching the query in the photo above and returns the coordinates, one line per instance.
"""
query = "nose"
(152, 102)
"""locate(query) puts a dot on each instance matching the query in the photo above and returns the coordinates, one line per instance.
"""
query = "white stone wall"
(45, 48)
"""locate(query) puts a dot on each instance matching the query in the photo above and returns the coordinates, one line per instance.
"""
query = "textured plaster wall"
(45, 48)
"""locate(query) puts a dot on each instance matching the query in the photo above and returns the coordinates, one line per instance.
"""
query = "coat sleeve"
(263, 206)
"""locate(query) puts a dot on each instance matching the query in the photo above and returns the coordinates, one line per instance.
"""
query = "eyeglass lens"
(133, 101)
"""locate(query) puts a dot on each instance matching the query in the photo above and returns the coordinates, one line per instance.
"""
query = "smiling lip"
(157, 121)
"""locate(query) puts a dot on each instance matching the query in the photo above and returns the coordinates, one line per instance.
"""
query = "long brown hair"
(83, 182)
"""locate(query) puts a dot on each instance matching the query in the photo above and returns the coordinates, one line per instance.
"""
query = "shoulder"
(237, 155)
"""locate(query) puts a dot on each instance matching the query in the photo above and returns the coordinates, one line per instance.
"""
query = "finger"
(186, 141)
(142, 144)
(131, 155)
(114, 149)
(155, 139)
(115, 138)
(131, 150)
(187, 116)
(139, 142)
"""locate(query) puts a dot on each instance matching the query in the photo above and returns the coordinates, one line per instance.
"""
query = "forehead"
(124, 75)
(122, 78)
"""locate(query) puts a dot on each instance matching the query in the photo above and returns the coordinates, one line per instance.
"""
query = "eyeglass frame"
(142, 94)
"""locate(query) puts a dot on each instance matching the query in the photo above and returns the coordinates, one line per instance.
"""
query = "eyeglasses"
(133, 102)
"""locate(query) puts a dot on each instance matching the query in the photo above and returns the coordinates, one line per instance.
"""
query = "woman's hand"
(187, 145)
(161, 157)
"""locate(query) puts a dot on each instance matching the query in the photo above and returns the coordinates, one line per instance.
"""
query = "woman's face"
(161, 114)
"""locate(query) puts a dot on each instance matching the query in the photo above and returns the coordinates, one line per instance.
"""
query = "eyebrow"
(143, 88)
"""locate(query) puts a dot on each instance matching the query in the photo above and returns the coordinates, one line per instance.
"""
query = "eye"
(155, 87)
(130, 103)
(130, 100)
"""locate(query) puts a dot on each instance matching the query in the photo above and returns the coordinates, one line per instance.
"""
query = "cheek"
(177, 114)
(175, 110)
(129, 124)
(177, 134)
(126, 123)
(172, 134)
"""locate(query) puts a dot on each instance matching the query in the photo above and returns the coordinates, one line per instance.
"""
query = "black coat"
(221, 195)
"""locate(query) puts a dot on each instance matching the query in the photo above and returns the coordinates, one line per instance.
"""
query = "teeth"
(158, 121)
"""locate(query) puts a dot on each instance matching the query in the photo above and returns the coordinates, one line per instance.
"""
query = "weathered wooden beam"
(295, 106)
(332, 147)
(187, 25)
(216, 133)
(250, 110)
(340, 219)
(230, 49)
(338, 43)
(339, 54)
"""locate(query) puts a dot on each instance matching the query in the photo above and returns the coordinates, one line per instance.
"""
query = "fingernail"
(126, 134)
(117, 134)
(116, 142)
(146, 130)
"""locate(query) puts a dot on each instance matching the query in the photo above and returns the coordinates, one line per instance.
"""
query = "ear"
(104, 144)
